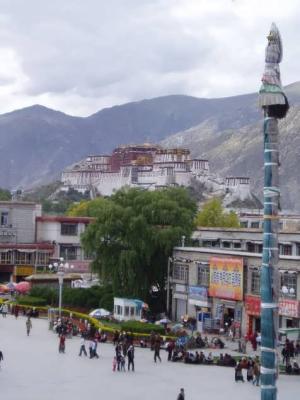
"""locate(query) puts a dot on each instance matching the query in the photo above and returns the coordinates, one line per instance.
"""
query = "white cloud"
(81, 56)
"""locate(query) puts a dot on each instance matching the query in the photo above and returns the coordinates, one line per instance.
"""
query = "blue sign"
(198, 293)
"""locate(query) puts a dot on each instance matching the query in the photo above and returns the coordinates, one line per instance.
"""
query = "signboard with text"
(287, 307)
(226, 278)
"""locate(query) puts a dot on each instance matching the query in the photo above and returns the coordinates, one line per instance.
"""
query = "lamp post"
(60, 269)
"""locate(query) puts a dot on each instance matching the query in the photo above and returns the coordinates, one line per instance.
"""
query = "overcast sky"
(79, 56)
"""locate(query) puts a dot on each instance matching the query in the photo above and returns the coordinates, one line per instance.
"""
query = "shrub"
(141, 327)
(32, 301)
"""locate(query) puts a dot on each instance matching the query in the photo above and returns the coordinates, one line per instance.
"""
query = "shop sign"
(24, 270)
(198, 293)
(252, 305)
(287, 307)
(226, 278)
(180, 288)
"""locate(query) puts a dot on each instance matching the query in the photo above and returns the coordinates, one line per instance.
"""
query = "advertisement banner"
(287, 307)
(226, 278)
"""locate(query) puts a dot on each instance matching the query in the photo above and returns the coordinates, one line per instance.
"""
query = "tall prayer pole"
(275, 106)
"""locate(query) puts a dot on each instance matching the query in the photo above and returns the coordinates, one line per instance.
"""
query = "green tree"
(213, 215)
(5, 195)
(133, 235)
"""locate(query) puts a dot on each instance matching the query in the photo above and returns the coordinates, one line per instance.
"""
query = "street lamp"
(60, 269)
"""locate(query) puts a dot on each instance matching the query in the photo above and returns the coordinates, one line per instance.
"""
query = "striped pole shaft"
(269, 268)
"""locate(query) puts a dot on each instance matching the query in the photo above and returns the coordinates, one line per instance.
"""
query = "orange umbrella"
(3, 289)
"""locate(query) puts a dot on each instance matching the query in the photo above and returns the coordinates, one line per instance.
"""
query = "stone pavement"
(34, 370)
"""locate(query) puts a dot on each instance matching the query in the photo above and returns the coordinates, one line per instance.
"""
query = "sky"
(79, 56)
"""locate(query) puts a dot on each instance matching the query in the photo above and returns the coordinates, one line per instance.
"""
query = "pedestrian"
(181, 394)
(157, 349)
(16, 311)
(250, 371)
(4, 310)
(62, 343)
(28, 325)
(130, 355)
(94, 349)
(256, 373)
(122, 363)
(1, 358)
(114, 364)
(82, 347)
(238, 373)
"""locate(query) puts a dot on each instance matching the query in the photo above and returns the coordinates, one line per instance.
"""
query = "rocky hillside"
(240, 152)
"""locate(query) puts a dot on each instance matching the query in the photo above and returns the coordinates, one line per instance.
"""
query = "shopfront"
(226, 290)
(180, 302)
(22, 271)
(289, 313)
(199, 305)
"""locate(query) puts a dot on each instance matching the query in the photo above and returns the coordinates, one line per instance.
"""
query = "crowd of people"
(252, 367)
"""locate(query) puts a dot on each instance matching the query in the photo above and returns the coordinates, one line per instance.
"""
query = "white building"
(127, 309)
(64, 233)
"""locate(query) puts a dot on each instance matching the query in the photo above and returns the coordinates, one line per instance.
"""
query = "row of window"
(251, 247)
(256, 224)
(24, 258)
(288, 281)
(128, 311)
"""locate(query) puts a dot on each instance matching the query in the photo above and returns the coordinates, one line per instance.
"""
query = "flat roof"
(62, 218)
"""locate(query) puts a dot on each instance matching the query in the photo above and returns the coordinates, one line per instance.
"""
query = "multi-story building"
(221, 278)
(64, 235)
(20, 254)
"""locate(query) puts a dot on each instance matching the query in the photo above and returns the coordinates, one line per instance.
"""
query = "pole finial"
(271, 95)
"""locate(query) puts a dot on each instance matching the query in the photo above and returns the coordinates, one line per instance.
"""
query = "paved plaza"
(34, 370)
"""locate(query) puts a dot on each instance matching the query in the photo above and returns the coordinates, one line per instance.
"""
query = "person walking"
(256, 373)
(82, 347)
(62, 343)
(157, 349)
(4, 310)
(28, 325)
(1, 358)
(181, 394)
(130, 355)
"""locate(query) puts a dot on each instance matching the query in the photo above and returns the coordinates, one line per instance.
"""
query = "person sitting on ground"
(220, 360)
(177, 355)
(296, 368)
(197, 358)
(209, 359)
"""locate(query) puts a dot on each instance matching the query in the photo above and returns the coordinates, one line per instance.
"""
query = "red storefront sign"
(287, 307)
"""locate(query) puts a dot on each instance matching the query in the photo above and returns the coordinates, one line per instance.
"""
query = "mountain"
(36, 143)
(240, 151)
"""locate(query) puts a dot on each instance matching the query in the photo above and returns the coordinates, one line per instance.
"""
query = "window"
(43, 258)
(298, 249)
(244, 224)
(181, 272)
(68, 252)
(255, 224)
(126, 310)
(4, 218)
(132, 311)
(6, 257)
(255, 282)
(118, 310)
(285, 249)
(237, 245)
(289, 284)
(23, 258)
(226, 245)
(254, 247)
(69, 229)
(203, 274)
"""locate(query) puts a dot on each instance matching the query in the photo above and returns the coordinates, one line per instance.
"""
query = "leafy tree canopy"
(5, 195)
(213, 215)
(134, 233)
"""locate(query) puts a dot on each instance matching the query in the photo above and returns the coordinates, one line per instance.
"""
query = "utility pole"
(275, 106)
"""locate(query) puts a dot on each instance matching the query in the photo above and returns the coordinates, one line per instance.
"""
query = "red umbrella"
(23, 287)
